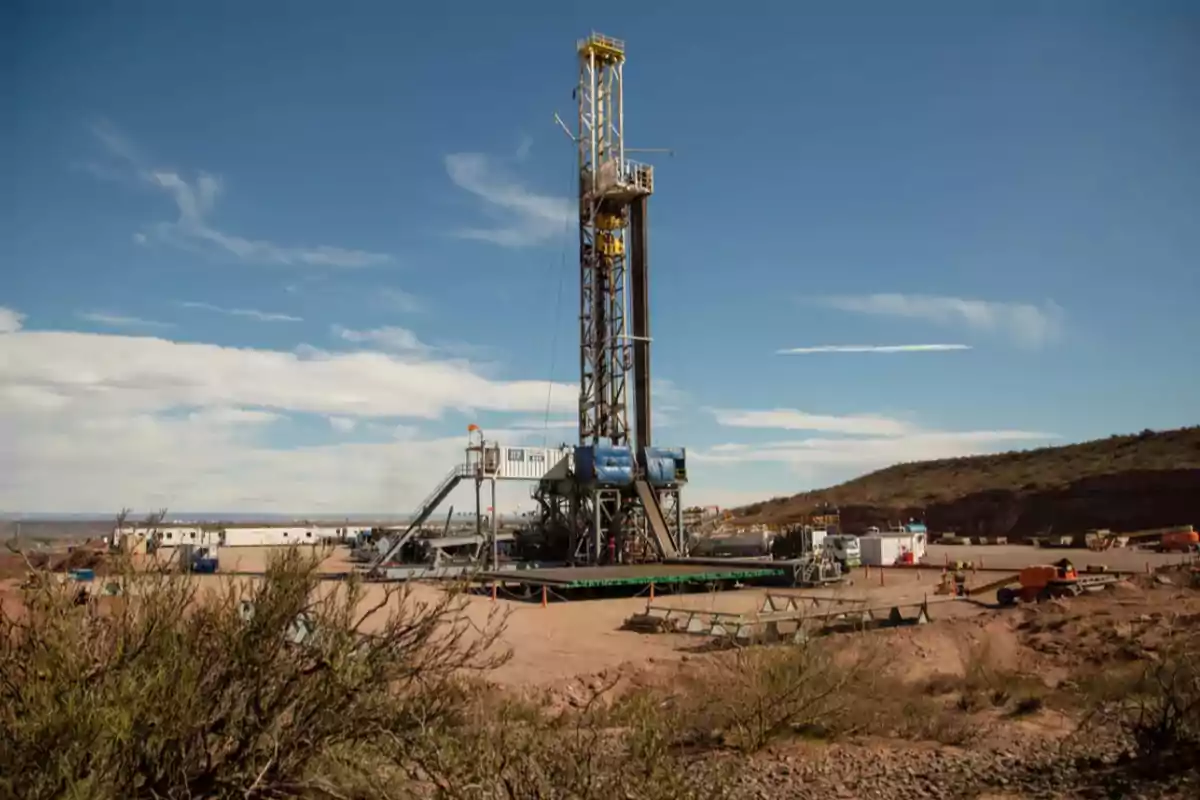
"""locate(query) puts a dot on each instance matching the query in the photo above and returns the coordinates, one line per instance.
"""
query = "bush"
(160, 691)
(285, 687)
(1157, 703)
(514, 750)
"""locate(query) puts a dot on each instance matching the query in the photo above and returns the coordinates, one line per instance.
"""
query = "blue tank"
(604, 465)
(664, 466)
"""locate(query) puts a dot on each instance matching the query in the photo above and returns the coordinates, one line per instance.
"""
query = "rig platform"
(634, 575)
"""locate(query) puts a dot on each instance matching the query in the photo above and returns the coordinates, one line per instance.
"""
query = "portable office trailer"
(879, 550)
(176, 535)
(885, 549)
(268, 537)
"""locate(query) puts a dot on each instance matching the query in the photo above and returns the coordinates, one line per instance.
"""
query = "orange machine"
(1182, 540)
(1041, 582)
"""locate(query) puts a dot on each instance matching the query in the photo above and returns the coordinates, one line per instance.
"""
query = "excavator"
(1042, 582)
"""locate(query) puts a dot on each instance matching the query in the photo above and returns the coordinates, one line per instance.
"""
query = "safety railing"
(460, 471)
(599, 39)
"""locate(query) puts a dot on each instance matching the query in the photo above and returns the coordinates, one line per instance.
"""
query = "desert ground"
(567, 642)
(567, 651)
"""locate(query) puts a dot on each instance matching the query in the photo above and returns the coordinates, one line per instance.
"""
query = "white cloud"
(544, 423)
(234, 416)
(794, 420)
(120, 320)
(868, 453)
(154, 374)
(400, 300)
(343, 424)
(858, 442)
(526, 217)
(10, 321)
(249, 313)
(389, 337)
(523, 147)
(195, 201)
(95, 421)
(873, 348)
(1027, 324)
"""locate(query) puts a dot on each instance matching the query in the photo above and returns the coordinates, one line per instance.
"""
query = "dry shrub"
(1155, 703)
(515, 750)
(760, 694)
(929, 720)
(159, 693)
(987, 682)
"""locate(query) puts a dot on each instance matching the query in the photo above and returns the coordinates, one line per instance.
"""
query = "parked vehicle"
(844, 549)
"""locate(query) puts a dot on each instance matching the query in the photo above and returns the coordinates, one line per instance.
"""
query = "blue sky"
(275, 256)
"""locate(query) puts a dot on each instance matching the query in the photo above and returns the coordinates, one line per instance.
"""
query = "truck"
(844, 549)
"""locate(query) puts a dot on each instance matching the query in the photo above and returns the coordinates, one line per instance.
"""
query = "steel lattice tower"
(608, 186)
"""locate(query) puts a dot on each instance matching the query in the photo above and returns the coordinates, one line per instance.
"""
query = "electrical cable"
(562, 269)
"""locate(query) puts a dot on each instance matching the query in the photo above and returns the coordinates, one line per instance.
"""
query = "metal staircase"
(427, 507)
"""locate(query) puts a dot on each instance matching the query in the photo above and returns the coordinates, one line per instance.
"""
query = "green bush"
(161, 691)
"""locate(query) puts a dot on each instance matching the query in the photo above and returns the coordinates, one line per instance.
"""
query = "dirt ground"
(567, 650)
(568, 641)
(1011, 556)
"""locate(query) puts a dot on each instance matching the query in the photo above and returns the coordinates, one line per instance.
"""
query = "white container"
(818, 539)
(885, 549)
(879, 550)
(176, 535)
(268, 537)
(528, 463)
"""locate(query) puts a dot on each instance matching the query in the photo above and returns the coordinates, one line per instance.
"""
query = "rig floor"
(638, 575)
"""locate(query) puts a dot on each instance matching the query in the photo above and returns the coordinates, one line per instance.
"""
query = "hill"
(1144, 480)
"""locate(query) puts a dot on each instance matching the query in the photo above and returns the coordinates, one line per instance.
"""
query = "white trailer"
(269, 537)
(879, 550)
(885, 549)
(176, 535)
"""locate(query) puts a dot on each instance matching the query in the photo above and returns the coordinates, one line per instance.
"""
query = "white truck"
(844, 549)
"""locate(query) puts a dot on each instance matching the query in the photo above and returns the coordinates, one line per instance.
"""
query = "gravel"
(1032, 768)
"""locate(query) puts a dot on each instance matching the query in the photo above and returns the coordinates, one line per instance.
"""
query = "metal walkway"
(781, 618)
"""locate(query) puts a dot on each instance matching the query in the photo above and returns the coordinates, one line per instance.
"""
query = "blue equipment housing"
(664, 466)
(604, 465)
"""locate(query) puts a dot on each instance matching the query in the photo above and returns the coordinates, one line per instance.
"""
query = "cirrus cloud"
(1027, 324)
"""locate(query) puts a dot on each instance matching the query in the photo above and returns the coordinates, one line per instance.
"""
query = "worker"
(960, 580)
(1066, 570)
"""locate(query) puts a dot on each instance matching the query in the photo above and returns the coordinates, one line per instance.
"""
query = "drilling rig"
(618, 499)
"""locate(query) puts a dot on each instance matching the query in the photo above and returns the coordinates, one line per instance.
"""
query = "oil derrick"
(619, 499)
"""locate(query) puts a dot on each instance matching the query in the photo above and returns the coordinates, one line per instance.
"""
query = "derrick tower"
(619, 499)
(610, 188)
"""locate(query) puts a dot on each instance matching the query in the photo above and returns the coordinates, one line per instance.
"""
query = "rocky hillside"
(1145, 480)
